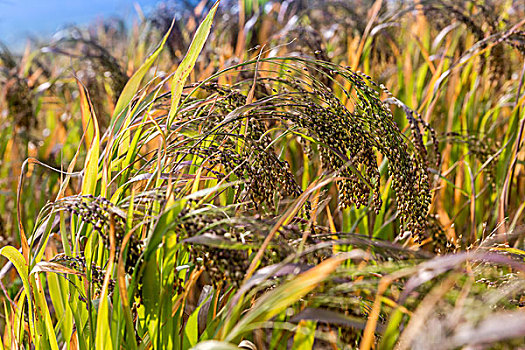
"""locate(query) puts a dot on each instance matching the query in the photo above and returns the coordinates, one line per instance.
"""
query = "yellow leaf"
(89, 183)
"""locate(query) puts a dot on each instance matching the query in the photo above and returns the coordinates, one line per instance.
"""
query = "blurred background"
(39, 19)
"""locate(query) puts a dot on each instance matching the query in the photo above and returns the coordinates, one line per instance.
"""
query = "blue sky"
(22, 18)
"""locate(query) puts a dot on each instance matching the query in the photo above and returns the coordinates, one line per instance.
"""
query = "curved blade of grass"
(133, 84)
(186, 66)
(285, 295)
(13, 255)
(23, 239)
(46, 266)
(499, 326)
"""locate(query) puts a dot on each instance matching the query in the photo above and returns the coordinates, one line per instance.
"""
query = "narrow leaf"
(133, 84)
(91, 165)
(186, 66)
(285, 295)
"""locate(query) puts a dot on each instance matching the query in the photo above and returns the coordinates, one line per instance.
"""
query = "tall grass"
(303, 175)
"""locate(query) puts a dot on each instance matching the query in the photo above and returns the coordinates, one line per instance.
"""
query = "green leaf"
(165, 223)
(186, 66)
(58, 294)
(151, 297)
(19, 319)
(16, 258)
(391, 333)
(133, 84)
(103, 331)
(8, 329)
(43, 316)
(191, 330)
(304, 335)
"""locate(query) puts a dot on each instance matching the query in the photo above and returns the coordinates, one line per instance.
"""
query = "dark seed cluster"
(484, 149)
(97, 276)
(246, 154)
(264, 174)
(479, 17)
(348, 137)
(436, 233)
(215, 242)
(97, 211)
(197, 224)
(100, 62)
(20, 103)
(349, 141)
(222, 264)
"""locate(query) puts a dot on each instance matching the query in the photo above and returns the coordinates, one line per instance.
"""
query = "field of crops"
(258, 174)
